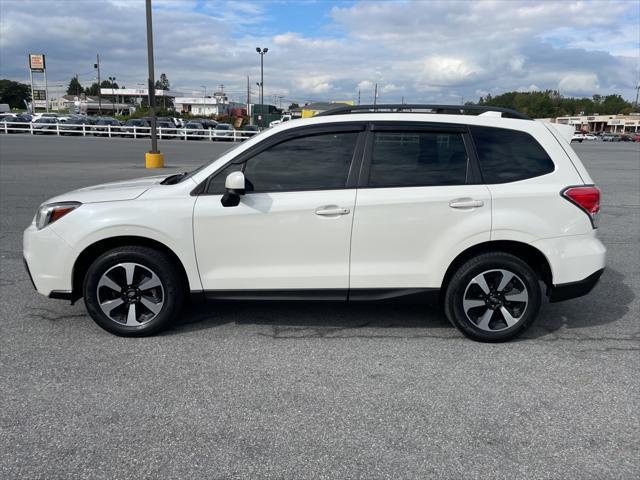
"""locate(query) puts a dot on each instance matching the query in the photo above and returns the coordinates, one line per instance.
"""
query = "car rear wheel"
(133, 291)
(493, 297)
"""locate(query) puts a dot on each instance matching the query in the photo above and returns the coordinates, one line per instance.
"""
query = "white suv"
(360, 204)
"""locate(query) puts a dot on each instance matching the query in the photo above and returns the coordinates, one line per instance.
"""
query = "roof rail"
(411, 108)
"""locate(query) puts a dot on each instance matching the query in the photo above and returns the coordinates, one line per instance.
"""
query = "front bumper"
(566, 291)
(49, 261)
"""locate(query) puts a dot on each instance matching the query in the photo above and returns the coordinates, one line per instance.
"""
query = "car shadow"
(608, 302)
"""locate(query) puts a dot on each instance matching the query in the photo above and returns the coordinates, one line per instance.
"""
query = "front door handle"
(464, 203)
(331, 211)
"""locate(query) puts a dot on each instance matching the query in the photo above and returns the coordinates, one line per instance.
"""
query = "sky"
(418, 51)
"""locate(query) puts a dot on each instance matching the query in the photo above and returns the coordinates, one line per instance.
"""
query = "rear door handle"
(463, 203)
(332, 210)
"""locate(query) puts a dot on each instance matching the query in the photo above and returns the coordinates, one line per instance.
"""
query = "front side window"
(509, 155)
(314, 162)
(411, 159)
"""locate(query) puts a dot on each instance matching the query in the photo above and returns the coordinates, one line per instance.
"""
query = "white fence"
(125, 131)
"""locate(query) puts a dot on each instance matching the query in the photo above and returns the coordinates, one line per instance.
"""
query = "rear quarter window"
(509, 155)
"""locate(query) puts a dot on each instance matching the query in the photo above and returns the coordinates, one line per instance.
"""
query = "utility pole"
(637, 92)
(358, 96)
(375, 96)
(153, 159)
(33, 100)
(249, 102)
(97, 67)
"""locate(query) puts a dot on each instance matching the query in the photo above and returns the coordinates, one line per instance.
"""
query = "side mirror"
(235, 186)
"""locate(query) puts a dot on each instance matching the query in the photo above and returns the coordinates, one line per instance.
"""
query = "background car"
(193, 131)
(590, 137)
(15, 124)
(166, 128)
(610, 137)
(577, 137)
(136, 127)
(45, 125)
(75, 126)
(223, 131)
(103, 125)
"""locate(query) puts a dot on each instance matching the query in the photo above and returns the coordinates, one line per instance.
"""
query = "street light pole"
(204, 95)
(262, 52)
(153, 159)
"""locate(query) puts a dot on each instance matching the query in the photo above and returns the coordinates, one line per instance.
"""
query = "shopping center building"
(601, 123)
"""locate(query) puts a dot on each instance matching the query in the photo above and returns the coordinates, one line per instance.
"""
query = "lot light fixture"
(262, 52)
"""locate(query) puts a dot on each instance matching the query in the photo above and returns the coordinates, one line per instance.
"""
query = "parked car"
(45, 125)
(590, 137)
(75, 126)
(636, 138)
(577, 137)
(610, 137)
(136, 127)
(473, 213)
(166, 129)
(223, 131)
(15, 124)
(103, 126)
(206, 123)
(193, 131)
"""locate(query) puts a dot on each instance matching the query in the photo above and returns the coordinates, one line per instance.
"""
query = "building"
(315, 108)
(218, 104)
(85, 104)
(601, 123)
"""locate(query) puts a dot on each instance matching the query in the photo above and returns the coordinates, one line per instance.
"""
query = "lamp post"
(113, 96)
(153, 159)
(262, 52)
(204, 95)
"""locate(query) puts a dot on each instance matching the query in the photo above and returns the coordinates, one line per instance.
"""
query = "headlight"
(54, 211)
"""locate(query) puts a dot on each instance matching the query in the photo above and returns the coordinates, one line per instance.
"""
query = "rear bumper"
(566, 291)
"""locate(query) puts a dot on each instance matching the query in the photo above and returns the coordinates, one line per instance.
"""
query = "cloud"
(425, 51)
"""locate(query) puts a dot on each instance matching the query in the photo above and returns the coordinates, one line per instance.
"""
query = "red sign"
(36, 62)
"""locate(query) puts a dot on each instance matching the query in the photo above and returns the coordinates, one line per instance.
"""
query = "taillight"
(587, 198)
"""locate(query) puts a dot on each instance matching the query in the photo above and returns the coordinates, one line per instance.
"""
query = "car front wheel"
(133, 291)
(493, 297)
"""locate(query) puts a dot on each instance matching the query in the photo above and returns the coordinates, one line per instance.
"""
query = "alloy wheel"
(495, 300)
(130, 294)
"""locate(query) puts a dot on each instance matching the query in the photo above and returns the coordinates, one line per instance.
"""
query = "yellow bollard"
(154, 160)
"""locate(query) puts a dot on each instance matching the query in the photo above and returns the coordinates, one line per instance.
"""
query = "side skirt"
(403, 295)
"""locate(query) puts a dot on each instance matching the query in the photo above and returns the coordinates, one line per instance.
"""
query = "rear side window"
(411, 159)
(509, 155)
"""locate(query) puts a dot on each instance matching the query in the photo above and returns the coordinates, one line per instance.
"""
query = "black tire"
(462, 279)
(173, 291)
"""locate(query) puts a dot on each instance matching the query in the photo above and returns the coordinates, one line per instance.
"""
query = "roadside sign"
(39, 94)
(36, 62)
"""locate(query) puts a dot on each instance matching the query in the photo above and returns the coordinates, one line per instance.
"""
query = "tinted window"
(509, 155)
(308, 163)
(405, 159)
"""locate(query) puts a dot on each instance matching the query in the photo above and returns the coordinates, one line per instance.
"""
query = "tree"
(74, 87)
(551, 104)
(292, 106)
(14, 93)
(164, 84)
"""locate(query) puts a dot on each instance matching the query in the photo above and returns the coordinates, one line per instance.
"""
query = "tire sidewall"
(462, 278)
(155, 261)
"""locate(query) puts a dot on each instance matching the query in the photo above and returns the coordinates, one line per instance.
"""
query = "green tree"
(164, 84)
(551, 104)
(74, 87)
(14, 93)
(292, 106)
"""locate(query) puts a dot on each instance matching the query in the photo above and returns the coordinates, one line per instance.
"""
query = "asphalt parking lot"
(241, 390)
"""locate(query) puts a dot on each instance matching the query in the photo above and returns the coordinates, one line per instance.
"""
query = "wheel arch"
(91, 252)
(524, 251)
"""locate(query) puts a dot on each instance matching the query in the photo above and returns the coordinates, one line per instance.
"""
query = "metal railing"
(112, 131)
